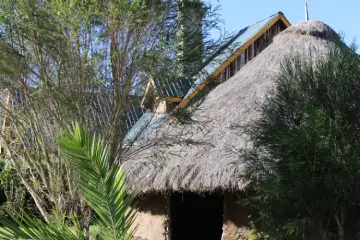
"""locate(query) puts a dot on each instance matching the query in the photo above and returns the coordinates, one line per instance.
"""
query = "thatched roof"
(216, 164)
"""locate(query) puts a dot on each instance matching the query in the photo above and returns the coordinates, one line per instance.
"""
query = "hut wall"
(151, 220)
(236, 218)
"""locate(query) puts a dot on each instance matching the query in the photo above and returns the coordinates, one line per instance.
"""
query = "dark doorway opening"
(195, 216)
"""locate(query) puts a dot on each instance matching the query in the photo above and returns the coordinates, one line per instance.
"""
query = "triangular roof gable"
(226, 53)
(241, 41)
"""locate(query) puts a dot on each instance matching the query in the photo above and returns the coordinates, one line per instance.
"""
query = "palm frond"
(101, 184)
(24, 226)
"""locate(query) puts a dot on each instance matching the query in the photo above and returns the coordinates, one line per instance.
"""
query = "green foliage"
(24, 226)
(15, 197)
(184, 116)
(14, 191)
(257, 235)
(101, 184)
(305, 164)
(82, 61)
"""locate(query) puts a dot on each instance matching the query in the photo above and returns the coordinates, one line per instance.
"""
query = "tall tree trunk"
(340, 221)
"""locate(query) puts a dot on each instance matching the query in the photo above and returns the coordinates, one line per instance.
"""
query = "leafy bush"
(305, 161)
(101, 184)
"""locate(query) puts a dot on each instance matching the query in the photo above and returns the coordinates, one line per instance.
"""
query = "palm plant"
(100, 183)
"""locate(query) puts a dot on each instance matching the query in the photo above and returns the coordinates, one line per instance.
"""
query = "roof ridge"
(273, 15)
(230, 39)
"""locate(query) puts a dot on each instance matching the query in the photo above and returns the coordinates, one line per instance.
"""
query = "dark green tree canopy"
(305, 161)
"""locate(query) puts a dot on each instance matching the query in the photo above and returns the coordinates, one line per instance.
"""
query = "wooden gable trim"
(150, 84)
(172, 99)
(248, 44)
(284, 19)
(280, 16)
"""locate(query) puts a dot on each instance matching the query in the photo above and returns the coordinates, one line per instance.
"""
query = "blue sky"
(341, 15)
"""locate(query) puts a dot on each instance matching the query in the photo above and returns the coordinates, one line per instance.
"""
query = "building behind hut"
(191, 192)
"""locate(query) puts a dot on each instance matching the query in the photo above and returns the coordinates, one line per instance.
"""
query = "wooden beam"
(285, 20)
(172, 99)
(150, 84)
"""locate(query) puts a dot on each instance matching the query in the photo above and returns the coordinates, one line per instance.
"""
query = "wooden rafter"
(150, 84)
(172, 99)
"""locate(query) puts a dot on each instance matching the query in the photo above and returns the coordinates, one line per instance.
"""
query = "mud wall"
(151, 220)
(236, 218)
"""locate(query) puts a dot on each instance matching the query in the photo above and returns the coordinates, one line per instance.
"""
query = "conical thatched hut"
(191, 191)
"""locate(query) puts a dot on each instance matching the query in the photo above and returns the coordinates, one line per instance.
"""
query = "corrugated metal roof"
(229, 47)
(145, 126)
(225, 51)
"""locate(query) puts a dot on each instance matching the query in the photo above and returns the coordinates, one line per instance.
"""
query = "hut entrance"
(196, 216)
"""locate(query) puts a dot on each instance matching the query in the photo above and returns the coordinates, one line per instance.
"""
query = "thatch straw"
(216, 165)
